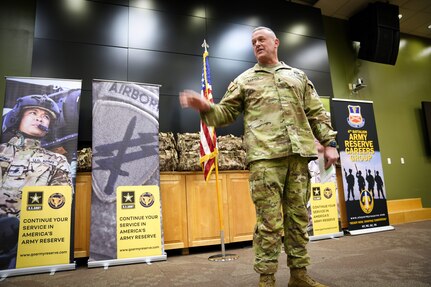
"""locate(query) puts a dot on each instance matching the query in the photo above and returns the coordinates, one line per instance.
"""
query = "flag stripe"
(208, 139)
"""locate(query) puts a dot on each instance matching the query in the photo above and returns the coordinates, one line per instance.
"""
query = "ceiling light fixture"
(400, 16)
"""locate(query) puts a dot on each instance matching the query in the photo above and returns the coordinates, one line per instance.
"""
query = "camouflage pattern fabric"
(280, 191)
(231, 152)
(229, 143)
(281, 109)
(231, 160)
(188, 152)
(168, 155)
(84, 159)
(183, 155)
(24, 162)
(167, 141)
(188, 142)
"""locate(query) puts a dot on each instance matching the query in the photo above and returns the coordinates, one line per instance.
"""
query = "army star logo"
(128, 197)
(35, 198)
(316, 193)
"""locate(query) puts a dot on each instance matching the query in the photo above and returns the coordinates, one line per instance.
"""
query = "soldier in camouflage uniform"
(282, 115)
(24, 162)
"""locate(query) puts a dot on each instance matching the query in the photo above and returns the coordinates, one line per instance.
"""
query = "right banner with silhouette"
(361, 166)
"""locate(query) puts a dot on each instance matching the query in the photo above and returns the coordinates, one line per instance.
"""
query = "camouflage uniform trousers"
(280, 192)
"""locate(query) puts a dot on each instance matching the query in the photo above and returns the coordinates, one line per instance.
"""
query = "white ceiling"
(416, 13)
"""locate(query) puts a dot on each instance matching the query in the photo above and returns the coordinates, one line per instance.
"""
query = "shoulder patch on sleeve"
(232, 87)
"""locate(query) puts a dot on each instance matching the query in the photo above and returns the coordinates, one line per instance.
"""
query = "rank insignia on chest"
(16, 170)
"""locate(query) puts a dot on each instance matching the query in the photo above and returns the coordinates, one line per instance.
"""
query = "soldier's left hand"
(331, 156)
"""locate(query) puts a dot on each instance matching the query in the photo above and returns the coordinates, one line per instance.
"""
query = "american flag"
(208, 138)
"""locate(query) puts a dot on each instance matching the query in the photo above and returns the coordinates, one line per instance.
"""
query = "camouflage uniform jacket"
(24, 162)
(282, 111)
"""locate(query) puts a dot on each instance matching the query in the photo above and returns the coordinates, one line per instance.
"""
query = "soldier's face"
(32, 120)
(265, 46)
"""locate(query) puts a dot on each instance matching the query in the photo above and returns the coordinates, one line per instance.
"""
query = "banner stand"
(113, 262)
(370, 230)
(361, 166)
(326, 236)
(34, 270)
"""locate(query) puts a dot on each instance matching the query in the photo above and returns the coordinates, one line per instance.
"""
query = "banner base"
(370, 230)
(38, 269)
(112, 262)
(326, 236)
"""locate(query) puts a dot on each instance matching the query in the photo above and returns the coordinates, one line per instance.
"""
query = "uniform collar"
(21, 141)
(270, 69)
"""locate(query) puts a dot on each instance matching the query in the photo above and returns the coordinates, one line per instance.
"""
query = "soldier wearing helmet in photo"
(24, 162)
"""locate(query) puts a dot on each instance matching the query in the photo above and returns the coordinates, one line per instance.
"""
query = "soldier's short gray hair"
(264, 28)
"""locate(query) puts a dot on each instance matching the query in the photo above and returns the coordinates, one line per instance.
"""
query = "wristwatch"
(332, 143)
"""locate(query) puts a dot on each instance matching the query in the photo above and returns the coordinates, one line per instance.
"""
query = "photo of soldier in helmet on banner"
(37, 147)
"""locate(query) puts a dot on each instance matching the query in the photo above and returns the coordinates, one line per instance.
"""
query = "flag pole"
(223, 256)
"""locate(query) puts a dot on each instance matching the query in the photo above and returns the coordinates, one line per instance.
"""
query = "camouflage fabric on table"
(183, 154)
(84, 159)
(167, 141)
(231, 152)
(188, 152)
(232, 155)
(229, 143)
(231, 160)
(168, 155)
(188, 142)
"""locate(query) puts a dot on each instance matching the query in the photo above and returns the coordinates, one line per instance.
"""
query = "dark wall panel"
(172, 118)
(303, 52)
(154, 30)
(280, 15)
(159, 42)
(85, 118)
(189, 7)
(230, 41)
(250, 14)
(78, 61)
(117, 2)
(82, 21)
(321, 82)
(174, 72)
(297, 19)
(224, 71)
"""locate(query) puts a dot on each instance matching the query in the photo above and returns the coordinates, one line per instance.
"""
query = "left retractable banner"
(38, 170)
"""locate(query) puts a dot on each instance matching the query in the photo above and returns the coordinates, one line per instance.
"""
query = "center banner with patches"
(125, 153)
(361, 166)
